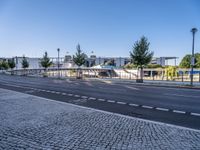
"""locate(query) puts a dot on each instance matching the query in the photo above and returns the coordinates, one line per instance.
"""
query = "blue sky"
(107, 27)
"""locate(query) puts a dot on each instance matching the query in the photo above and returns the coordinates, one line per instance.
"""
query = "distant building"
(121, 61)
(67, 61)
(33, 62)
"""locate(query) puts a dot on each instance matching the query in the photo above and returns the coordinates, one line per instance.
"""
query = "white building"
(67, 62)
(34, 63)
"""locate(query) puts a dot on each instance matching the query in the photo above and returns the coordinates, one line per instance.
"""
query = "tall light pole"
(58, 62)
(193, 30)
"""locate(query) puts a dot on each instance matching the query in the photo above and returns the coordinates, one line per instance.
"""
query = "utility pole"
(193, 30)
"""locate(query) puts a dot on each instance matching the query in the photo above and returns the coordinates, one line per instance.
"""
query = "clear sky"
(107, 27)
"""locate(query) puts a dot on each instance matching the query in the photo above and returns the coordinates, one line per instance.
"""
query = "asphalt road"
(177, 106)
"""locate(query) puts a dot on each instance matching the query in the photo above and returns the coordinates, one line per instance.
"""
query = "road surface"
(177, 106)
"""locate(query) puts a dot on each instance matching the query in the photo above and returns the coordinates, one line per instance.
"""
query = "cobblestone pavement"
(29, 122)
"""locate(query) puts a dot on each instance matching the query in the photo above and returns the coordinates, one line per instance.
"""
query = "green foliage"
(186, 61)
(4, 65)
(141, 55)
(25, 63)
(45, 62)
(197, 57)
(129, 66)
(153, 66)
(79, 57)
(11, 63)
(171, 72)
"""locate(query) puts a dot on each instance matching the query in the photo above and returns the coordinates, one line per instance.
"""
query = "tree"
(79, 57)
(11, 63)
(45, 62)
(153, 66)
(25, 63)
(186, 61)
(171, 72)
(4, 65)
(141, 55)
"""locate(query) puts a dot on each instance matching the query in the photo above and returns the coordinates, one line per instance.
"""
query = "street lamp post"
(193, 30)
(58, 62)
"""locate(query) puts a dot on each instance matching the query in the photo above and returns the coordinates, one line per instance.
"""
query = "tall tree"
(80, 57)
(25, 63)
(46, 62)
(186, 61)
(141, 55)
(11, 63)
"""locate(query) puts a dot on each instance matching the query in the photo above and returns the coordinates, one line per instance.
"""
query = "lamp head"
(194, 30)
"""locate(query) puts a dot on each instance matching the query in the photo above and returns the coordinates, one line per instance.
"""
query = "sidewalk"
(30, 122)
(196, 85)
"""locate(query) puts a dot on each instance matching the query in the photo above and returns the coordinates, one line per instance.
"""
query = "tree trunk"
(141, 73)
(141, 76)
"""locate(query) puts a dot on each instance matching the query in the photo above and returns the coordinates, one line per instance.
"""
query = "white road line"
(162, 109)
(70, 94)
(57, 92)
(53, 92)
(84, 97)
(149, 107)
(110, 101)
(76, 95)
(92, 98)
(100, 99)
(48, 91)
(195, 114)
(121, 103)
(178, 111)
(64, 94)
(135, 105)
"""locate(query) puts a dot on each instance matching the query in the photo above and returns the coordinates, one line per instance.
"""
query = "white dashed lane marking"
(100, 99)
(162, 109)
(195, 114)
(149, 107)
(84, 97)
(178, 111)
(110, 101)
(76, 95)
(135, 105)
(122, 103)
